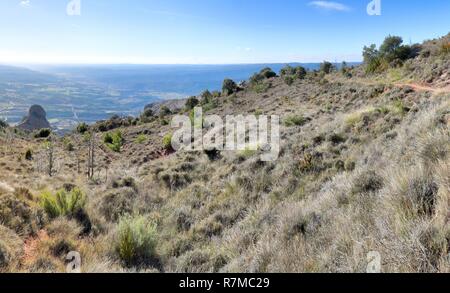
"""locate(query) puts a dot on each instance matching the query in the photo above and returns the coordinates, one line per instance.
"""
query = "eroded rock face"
(36, 119)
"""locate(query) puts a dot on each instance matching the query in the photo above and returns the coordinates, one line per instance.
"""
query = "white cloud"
(25, 3)
(328, 5)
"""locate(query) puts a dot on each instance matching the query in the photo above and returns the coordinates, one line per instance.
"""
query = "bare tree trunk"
(91, 156)
(50, 157)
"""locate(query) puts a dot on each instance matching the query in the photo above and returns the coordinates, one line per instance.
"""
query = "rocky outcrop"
(36, 119)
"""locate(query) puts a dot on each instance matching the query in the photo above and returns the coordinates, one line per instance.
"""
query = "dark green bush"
(164, 111)
(28, 155)
(326, 67)
(287, 71)
(300, 72)
(43, 133)
(391, 53)
(191, 103)
(206, 97)
(229, 87)
(3, 124)
(268, 73)
(147, 115)
(82, 128)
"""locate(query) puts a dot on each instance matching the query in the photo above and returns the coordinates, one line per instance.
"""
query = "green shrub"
(147, 116)
(141, 138)
(261, 87)
(289, 80)
(68, 145)
(3, 124)
(62, 203)
(296, 120)
(137, 238)
(164, 111)
(268, 73)
(211, 105)
(43, 133)
(287, 71)
(113, 141)
(229, 87)
(391, 53)
(326, 67)
(82, 128)
(300, 72)
(191, 103)
(167, 142)
(206, 97)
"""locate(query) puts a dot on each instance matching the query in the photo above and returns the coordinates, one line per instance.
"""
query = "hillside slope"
(364, 167)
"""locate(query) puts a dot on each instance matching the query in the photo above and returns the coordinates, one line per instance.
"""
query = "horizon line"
(169, 64)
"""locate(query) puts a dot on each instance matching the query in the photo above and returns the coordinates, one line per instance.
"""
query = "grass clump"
(167, 142)
(63, 203)
(137, 238)
(141, 138)
(295, 120)
(261, 87)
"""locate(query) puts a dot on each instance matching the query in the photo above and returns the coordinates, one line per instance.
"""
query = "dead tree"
(50, 157)
(91, 156)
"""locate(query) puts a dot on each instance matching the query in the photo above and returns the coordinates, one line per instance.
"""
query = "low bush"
(206, 97)
(141, 138)
(368, 181)
(326, 67)
(229, 87)
(63, 203)
(10, 248)
(137, 239)
(43, 133)
(113, 141)
(164, 111)
(295, 120)
(167, 142)
(28, 155)
(289, 80)
(268, 73)
(147, 116)
(82, 128)
(3, 124)
(191, 103)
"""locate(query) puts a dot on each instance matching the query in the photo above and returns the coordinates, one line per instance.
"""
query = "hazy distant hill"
(11, 74)
(96, 92)
(181, 79)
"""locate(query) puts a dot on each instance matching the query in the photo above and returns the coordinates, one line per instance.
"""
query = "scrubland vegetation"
(364, 166)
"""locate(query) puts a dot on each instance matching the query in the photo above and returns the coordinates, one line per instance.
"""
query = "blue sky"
(209, 31)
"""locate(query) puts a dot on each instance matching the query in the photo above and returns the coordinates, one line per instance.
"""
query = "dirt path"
(423, 88)
(415, 86)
